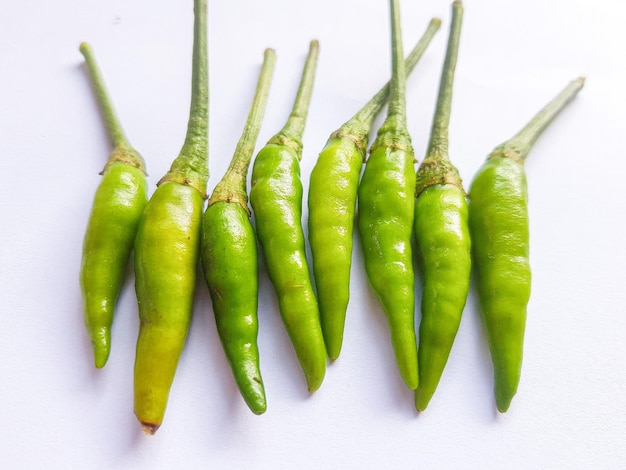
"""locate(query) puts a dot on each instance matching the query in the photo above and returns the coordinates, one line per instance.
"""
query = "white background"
(58, 412)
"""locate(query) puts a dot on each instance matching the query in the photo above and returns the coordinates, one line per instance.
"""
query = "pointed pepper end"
(421, 400)
(149, 429)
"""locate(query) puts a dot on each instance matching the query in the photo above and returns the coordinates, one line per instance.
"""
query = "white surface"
(57, 412)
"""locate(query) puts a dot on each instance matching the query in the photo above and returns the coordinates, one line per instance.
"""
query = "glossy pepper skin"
(276, 198)
(443, 246)
(229, 257)
(499, 227)
(498, 221)
(441, 236)
(386, 200)
(117, 206)
(332, 199)
(167, 251)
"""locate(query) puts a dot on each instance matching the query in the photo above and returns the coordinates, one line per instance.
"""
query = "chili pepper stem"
(438, 144)
(436, 167)
(520, 145)
(358, 127)
(291, 133)
(191, 166)
(232, 187)
(122, 149)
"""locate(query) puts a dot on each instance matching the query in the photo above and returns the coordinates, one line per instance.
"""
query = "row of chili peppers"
(170, 233)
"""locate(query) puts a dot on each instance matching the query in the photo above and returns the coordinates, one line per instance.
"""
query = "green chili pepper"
(498, 220)
(276, 198)
(229, 256)
(167, 249)
(332, 199)
(442, 235)
(386, 203)
(117, 207)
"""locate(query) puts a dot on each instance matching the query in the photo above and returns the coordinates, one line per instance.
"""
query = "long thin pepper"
(276, 198)
(386, 205)
(117, 207)
(441, 235)
(332, 199)
(229, 256)
(498, 219)
(167, 250)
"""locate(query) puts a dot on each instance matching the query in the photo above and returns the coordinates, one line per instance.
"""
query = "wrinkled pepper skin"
(166, 254)
(386, 212)
(332, 203)
(498, 218)
(443, 250)
(116, 210)
(276, 198)
(230, 265)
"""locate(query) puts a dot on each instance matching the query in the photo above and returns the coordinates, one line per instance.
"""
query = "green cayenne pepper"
(386, 200)
(498, 220)
(276, 198)
(332, 200)
(441, 235)
(229, 256)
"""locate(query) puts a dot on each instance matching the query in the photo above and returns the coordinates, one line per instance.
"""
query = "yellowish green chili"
(117, 206)
(167, 250)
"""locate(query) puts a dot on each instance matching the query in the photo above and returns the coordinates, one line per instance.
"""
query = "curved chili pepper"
(229, 256)
(332, 200)
(276, 198)
(386, 203)
(117, 207)
(498, 221)
(441, 235)
(167, 249)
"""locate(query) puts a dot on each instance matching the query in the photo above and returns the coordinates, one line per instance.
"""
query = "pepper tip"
(149, 429)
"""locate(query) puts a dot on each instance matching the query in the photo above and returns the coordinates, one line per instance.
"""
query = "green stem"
(519, 146)
(436, 167)
(438, 145)
(111, 121)
(122, 151)
(232, 187)
(191, 165)
(397, 91)
(291, 133)
(360, 124)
